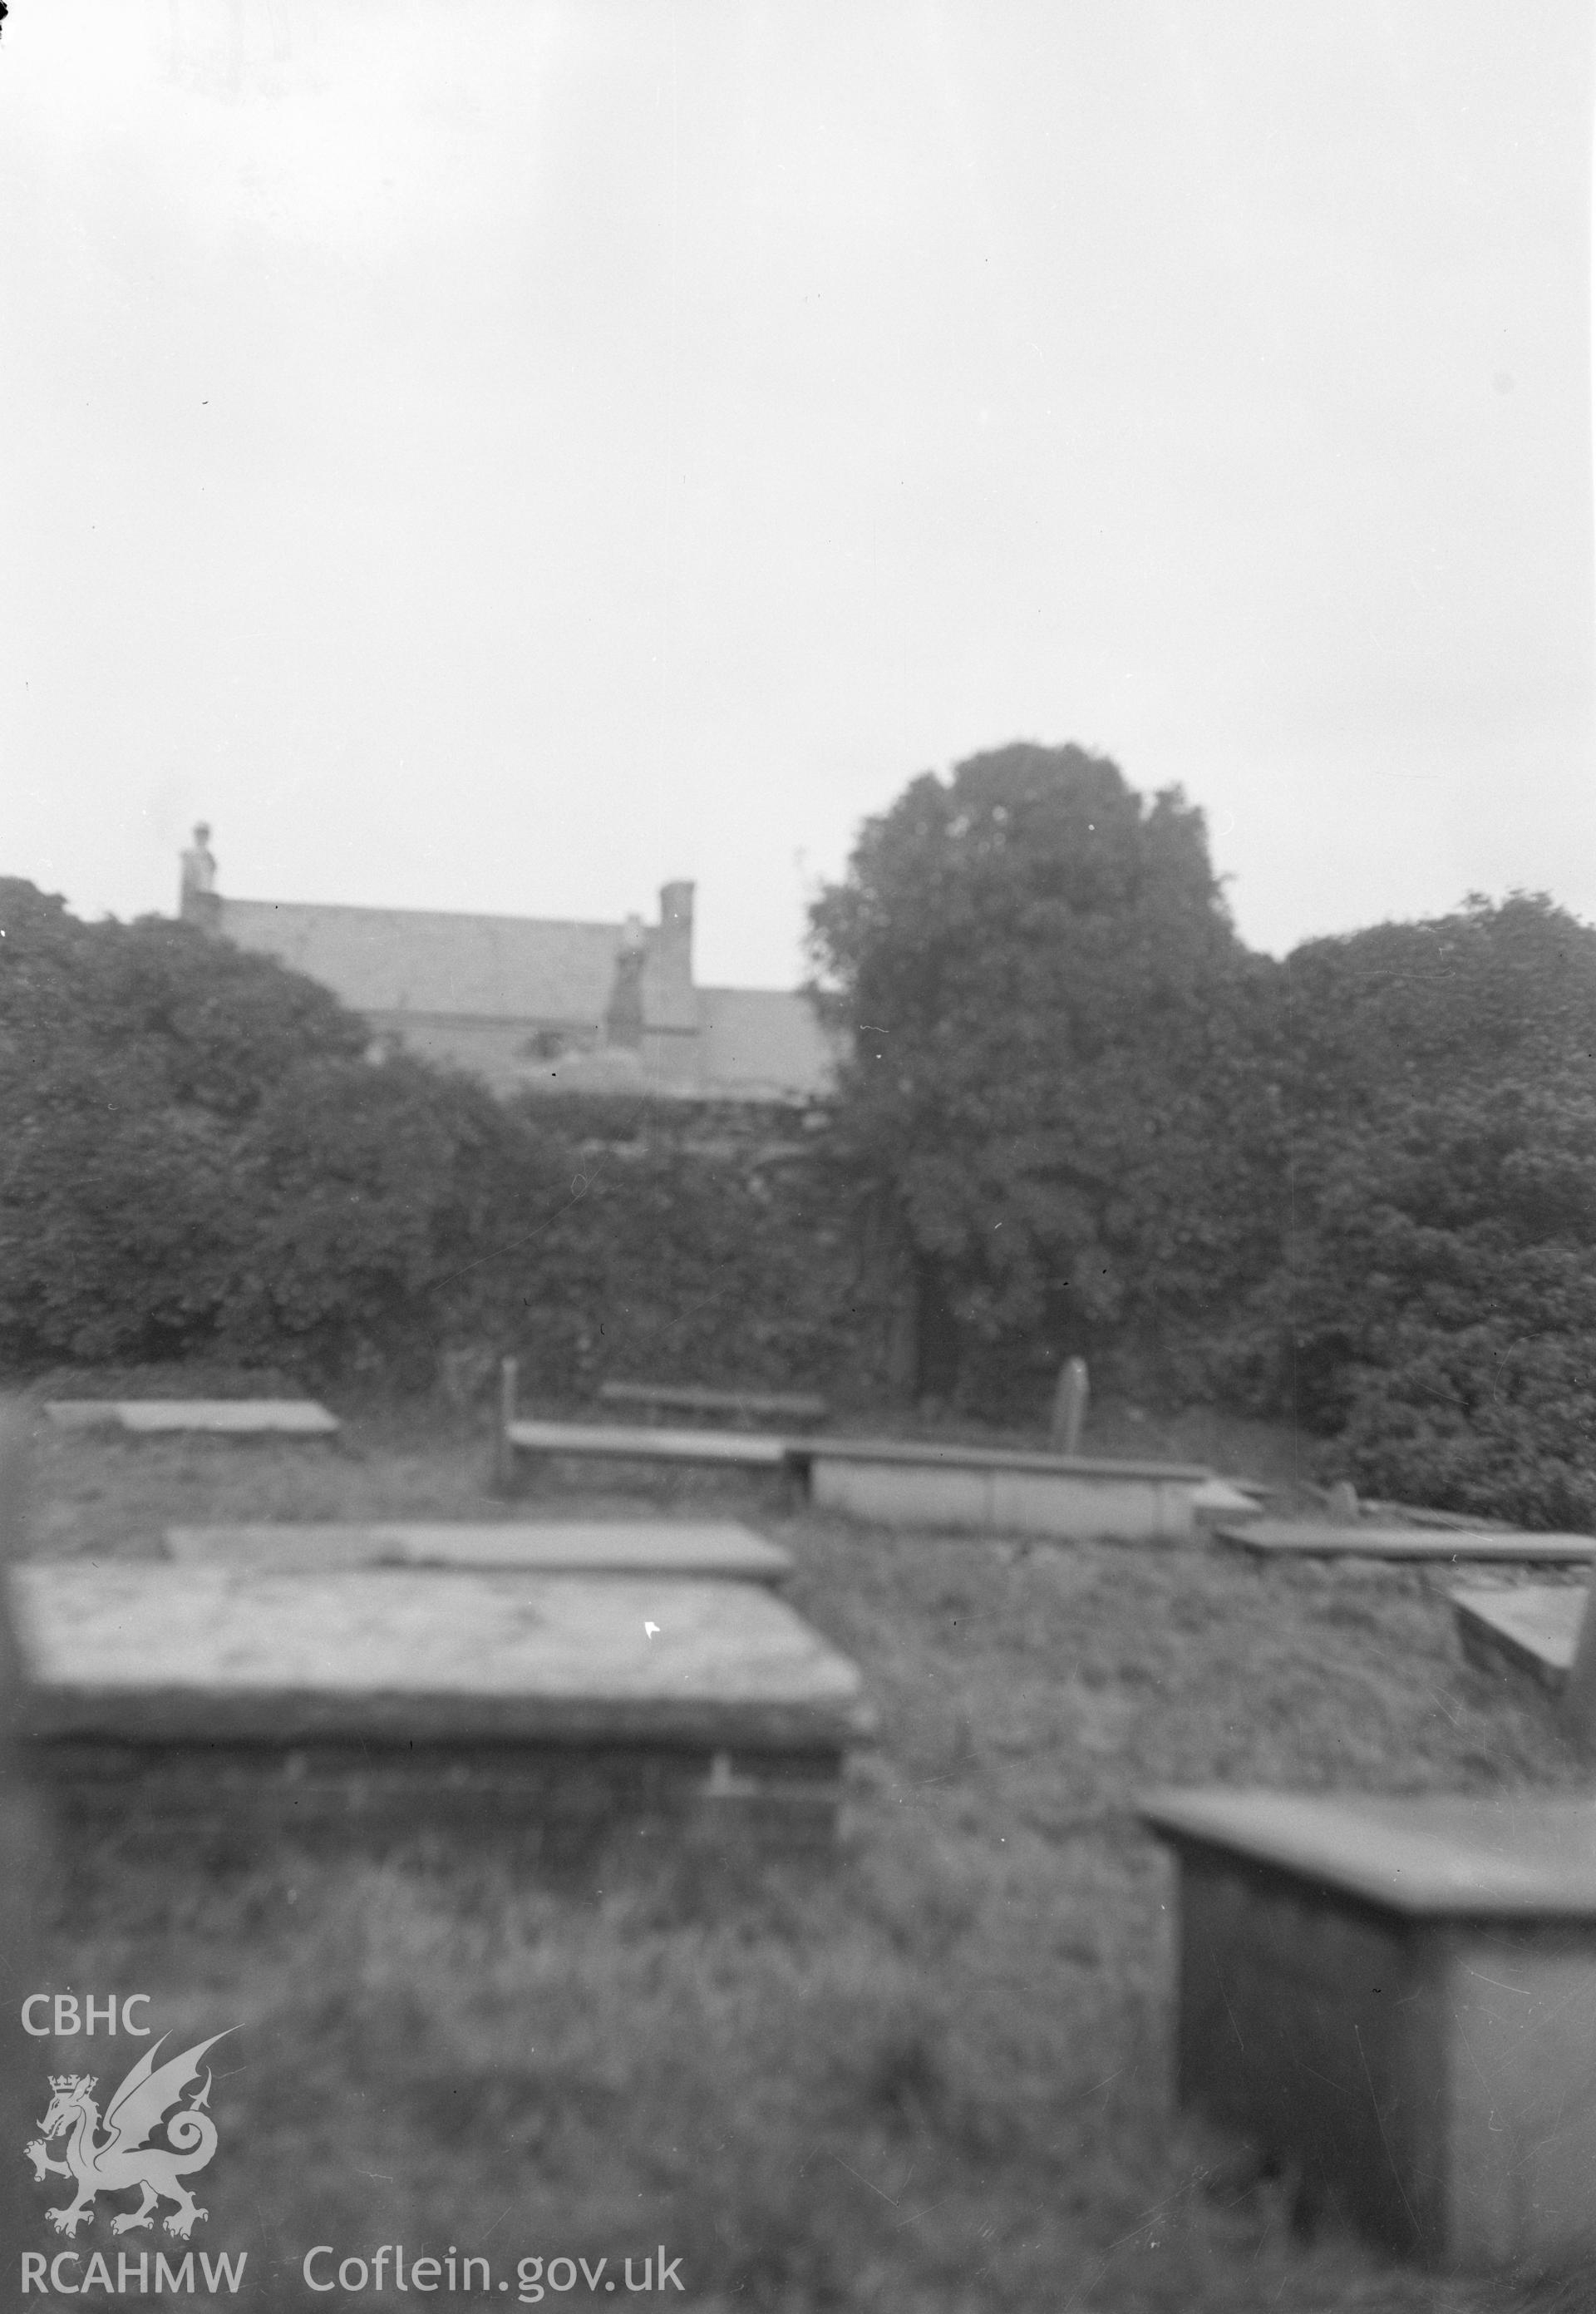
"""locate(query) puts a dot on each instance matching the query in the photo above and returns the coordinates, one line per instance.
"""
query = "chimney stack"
(197, 891)
(672, 1003)
(676, 926)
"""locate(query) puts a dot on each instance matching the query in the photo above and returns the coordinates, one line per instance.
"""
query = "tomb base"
(554, 1804)
(549, 1711)
(1395, 2001)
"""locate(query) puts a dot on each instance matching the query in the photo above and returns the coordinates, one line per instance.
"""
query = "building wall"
(533, 1005)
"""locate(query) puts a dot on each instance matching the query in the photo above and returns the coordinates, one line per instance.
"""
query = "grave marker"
(553, 1708)
(1322, 1539)
(719, 1549)
(1069, 1408)
(1545, 1631)
(229, 1417)
(997, 1490)
(1532, 1629)
(1396, 1998)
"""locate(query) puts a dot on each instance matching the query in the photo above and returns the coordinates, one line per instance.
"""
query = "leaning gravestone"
(1532, 1629)
(1546, 1631)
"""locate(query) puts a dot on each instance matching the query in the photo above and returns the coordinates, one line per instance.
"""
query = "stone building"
(535, 1004)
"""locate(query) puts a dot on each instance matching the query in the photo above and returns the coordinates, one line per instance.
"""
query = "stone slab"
(554, 1714)
(690, 1398)
(244, 1418)
(1217, 1498)
(718, 1548)
(951, 1454)
(1432, 1855)
(992, 1490)
(733, 1448)
(158, 1651)
(1395, 1998)
(1309, 1539)
(1534, 1629)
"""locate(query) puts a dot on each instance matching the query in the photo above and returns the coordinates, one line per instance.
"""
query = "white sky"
(506, 454)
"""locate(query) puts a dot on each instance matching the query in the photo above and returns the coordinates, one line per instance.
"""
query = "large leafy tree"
(1436, 1304)
(132, 1057)
(1057, 1080)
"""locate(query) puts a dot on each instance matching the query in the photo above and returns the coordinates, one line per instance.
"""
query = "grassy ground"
(930, 2080)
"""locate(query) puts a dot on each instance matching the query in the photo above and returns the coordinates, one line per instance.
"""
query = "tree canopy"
(1436, 1296)
(132, 1056)
(1056, 1036)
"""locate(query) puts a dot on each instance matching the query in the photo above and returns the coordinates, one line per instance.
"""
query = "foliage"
(1437, 1300)
(1057, 1080)
(132, 1056)
(1360, 1187)
(673, 1242)
(201, 1164)
(377, 1190)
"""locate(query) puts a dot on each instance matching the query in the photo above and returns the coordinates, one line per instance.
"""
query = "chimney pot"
(196, 890)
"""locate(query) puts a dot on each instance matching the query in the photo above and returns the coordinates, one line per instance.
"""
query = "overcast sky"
(490, 455)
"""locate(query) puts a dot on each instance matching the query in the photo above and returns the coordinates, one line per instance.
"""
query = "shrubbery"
(200, 1162)
(1435, 1306)
(1358, 1189)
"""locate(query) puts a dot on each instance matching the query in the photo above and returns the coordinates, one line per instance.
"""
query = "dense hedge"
(1434, 1309)
(200, 1162)
(1365, 1200)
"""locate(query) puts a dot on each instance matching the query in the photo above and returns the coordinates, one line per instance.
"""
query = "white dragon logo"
(125, 2160)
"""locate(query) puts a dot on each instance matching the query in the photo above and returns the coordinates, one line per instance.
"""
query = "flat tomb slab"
(692, 1397)
(1534, 1629)
(242, 1418)
(1287, 1538)
(750, 1449)
(143, 1649)
(1396, 1997)
(549, 1707)
(718, 1548)
(991, 1489)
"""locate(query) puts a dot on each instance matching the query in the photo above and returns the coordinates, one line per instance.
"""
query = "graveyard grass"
(929, 2079)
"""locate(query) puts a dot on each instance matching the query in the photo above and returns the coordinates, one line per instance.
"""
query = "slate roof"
(419, 960)
(762, 1043)
(751, 1044)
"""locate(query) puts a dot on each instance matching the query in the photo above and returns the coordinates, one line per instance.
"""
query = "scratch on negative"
(1380, 2123)
(1224, 1996)
(1522, 1991)
(863, 2181)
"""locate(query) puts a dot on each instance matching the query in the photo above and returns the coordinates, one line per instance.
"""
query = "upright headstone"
(504, 1452)
(1069, 1408)
(24, 1856)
